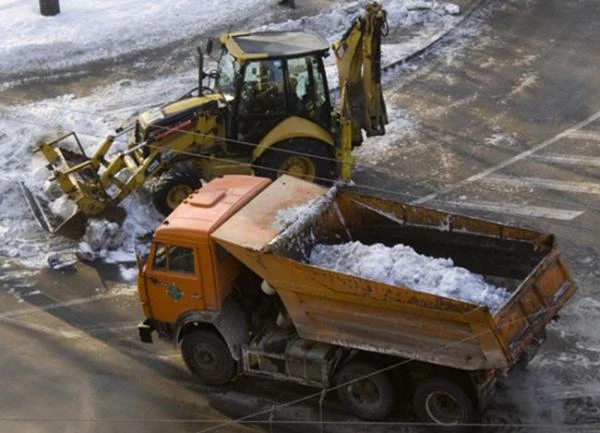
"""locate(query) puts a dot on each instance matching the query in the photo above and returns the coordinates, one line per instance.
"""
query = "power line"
(324, 180)
(590, 425)
(248, 418)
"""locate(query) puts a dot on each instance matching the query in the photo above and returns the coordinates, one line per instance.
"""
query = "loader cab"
(271, 76)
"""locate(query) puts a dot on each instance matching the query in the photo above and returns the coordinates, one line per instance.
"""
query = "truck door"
(173, 280)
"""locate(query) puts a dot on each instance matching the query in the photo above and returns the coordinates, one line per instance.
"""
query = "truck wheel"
(208, 357)
(172, 187)
(312, 161)
(443, 402)
(368, 396)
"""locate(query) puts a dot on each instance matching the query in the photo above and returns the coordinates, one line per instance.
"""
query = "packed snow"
(88, 30)
(379, 148)
(401, 265)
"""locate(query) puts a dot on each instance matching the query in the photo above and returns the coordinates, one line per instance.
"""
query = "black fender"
(230, 323)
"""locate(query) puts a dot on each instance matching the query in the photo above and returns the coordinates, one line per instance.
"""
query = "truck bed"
(343, 309)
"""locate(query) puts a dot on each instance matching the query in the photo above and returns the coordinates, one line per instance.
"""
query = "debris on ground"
(61, 260)
(100, 236)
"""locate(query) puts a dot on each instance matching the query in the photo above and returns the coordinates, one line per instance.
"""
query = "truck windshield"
(228, 68)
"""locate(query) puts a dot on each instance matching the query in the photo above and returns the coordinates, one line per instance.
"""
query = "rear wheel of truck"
(172, 187)
(367, 394)
(443, 402)
(304, 158)
(208, 357)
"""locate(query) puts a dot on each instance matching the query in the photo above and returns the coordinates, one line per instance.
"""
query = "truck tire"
(368, 396)
(172, 187)
(207, 356)
(443, 402)
(312, 160)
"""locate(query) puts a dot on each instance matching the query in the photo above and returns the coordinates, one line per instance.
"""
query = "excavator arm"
(358, 58)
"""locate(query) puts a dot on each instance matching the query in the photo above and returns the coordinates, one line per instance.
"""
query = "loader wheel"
(445, 403)
(368, 396)
(307, 159)
(172, 187)
(208, 357)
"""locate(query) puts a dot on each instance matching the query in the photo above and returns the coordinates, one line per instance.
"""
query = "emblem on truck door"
(174, 292)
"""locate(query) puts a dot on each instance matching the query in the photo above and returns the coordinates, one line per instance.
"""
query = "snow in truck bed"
(401, 265)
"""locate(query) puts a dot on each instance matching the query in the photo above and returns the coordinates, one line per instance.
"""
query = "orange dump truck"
(230, 281)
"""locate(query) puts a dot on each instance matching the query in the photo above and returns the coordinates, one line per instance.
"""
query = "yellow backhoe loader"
(266, 111)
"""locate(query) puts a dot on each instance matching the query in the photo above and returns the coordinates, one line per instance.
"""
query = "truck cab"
(230, 278)
(186, 271)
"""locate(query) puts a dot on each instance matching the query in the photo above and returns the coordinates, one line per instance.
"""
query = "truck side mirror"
(210, 44)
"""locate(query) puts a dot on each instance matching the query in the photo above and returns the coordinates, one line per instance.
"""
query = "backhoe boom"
(358, 57)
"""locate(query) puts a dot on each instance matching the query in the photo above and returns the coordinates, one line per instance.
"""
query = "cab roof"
(260, 45)
(206, 209)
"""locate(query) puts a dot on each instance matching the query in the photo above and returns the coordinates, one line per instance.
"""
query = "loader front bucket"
(72, 227)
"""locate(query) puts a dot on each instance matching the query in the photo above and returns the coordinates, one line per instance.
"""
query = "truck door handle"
(155, 280)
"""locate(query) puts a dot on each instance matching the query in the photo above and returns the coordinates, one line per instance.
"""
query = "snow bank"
(87, 30)
(21, 239)
(400, 265)
(379, 148)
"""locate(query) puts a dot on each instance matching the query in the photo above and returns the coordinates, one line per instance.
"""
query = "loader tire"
(445, 403)
(172, 187)
(365, 393)
(305, 158)
(207, 356)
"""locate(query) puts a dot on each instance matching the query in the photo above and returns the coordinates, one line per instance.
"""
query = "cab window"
(172, 258)
(308, 92)
(263, 89)
(228, 70)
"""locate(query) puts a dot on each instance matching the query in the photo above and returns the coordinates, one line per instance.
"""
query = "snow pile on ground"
(21, 239)
(116, 244)
(401, 265)
(101, 235)
(88, 30)
(379, 148)
(333, 22)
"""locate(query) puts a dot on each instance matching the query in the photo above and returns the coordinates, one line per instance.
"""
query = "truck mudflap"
(230, 322)
(145, 330)
(486, 392)
(521, 322)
